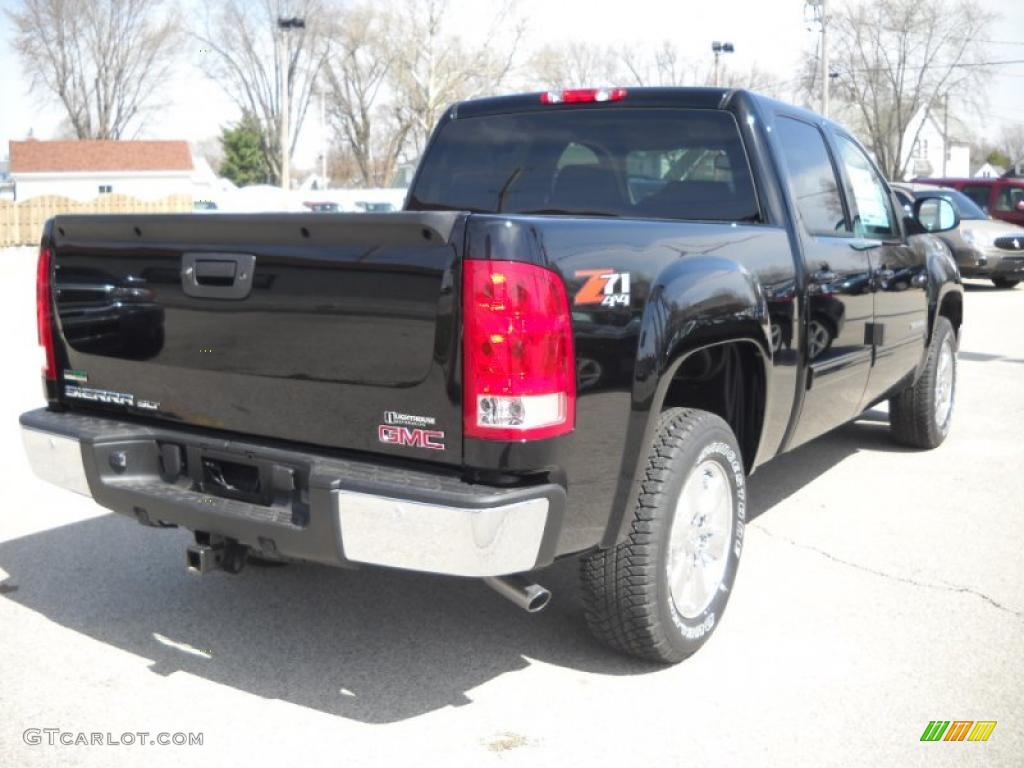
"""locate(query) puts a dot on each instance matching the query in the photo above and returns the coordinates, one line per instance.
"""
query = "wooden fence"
(22, 223)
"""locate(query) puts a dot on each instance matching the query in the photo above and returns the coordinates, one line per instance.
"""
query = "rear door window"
(686, 164)
(812, 178)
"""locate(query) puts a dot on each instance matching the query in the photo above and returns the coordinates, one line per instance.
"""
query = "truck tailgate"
(318, 328)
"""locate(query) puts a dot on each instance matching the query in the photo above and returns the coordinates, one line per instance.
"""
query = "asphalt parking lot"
(880, 589)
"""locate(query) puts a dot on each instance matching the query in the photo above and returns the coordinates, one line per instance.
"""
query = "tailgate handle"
(217, 275)
(216, 272)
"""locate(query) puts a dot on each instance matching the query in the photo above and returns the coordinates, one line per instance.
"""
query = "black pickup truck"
(598, 312)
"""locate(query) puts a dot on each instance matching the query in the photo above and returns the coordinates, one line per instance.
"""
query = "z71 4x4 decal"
(603, 286)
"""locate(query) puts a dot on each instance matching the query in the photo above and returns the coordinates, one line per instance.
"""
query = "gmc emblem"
(413, 438)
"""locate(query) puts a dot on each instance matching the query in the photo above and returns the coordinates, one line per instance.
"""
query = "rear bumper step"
(297, 504)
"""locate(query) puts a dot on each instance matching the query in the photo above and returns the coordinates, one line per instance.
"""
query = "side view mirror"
(936, 214)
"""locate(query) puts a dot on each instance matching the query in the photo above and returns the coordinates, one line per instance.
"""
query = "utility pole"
(286, 25)
(824, 58)
(323, 142)
(819, 10)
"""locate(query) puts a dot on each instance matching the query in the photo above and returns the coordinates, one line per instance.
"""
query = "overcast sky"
(771, 33)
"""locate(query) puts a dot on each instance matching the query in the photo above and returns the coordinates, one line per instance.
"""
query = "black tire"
(913, 419)
(1004, 282)
(627, 600)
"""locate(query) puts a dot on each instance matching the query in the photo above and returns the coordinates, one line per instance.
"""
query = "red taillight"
(583, 95)
(519, 370)
(44, 316)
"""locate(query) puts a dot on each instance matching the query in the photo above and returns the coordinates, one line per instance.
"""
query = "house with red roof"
(85, 169)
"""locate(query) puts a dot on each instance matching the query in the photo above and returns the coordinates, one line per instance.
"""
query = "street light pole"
(718, 49)
(285, 26)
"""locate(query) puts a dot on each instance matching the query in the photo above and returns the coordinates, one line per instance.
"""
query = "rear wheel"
(1004, 282)
(660, 593)
(921, 415)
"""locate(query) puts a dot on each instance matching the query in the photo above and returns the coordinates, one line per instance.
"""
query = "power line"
(998, 115)
(943, 66)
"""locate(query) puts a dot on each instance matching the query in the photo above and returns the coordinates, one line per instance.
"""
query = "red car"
(999, 198)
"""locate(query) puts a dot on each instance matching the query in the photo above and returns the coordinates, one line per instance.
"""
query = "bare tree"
(896, 58)
(210, 149)
(254, 61)
(433, 68)
(1011, 143)
(753, 78)
(667, 65)
(575, 65)
(103, 60)
(664, 66)
(362, 115)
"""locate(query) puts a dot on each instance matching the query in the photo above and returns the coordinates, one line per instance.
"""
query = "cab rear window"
(684, 164)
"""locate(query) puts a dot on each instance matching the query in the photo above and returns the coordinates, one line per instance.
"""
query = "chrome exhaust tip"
(529, 596)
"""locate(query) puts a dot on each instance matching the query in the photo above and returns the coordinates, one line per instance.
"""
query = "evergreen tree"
(244, 160)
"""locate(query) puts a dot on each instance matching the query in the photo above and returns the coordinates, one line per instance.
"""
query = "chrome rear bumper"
(56, 459)
(327, 509)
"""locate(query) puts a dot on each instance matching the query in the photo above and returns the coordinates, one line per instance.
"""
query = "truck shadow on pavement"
(783, 476)
(373, 645)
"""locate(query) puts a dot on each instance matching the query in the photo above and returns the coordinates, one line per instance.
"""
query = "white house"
(86, 169)
(925, 147)
(989, 171)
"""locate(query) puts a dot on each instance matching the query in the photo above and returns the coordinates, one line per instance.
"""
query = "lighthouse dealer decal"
(410, 431)
(603, 286)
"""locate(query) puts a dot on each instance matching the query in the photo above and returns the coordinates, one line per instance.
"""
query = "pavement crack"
(944, 586)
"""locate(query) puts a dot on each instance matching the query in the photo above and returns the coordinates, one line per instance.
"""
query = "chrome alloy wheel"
(698, 549)
(945, 384)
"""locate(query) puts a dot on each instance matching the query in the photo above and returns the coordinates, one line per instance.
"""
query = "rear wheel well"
(727, 380)
(952, 308)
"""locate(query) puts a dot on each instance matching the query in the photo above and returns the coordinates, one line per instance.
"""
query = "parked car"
(374, 207)
(983, 247)
(1001, 198)
(535, 360)
(322, 207)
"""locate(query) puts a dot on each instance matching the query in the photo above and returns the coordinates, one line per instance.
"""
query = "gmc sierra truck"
(598, 312)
